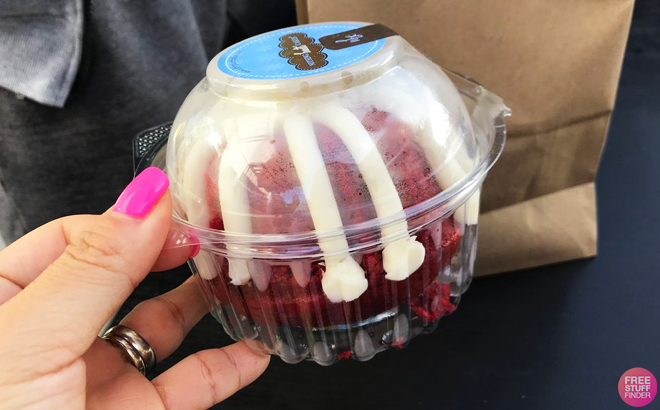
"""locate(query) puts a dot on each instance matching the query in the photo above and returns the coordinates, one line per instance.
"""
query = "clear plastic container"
(336, 205)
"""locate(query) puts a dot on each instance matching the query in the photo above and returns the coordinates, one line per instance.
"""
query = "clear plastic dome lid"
(315, 130)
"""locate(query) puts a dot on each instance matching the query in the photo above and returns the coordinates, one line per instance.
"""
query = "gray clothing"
(78, 79)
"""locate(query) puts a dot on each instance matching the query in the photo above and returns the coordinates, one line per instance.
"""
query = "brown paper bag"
(556, 64)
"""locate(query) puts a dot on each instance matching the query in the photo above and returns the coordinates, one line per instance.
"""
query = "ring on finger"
(138, 352)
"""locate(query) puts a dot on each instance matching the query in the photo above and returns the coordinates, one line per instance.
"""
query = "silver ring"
(138, 352)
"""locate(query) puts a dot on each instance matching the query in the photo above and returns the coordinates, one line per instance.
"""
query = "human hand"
(60, 284)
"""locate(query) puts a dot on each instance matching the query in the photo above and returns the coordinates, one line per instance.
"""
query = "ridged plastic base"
(347, 332)
(392, 329)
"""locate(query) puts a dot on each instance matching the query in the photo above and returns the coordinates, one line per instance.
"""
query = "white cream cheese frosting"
(402, 255)
(235, 206)
(344, 279)
(439, 138)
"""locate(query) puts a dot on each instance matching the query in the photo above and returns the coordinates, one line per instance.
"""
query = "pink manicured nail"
(195, 250)
(195, 247)
(143, 193)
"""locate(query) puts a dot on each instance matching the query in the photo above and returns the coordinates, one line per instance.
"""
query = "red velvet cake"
(332, 176)
(407, 167)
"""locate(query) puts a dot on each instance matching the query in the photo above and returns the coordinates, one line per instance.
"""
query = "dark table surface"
(550, 338)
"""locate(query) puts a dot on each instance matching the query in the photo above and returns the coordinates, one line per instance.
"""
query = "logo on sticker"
(302, 51)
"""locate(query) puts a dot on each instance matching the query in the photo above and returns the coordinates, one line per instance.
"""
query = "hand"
(60, 284)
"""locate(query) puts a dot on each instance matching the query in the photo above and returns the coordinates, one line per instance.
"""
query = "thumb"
(106, 257)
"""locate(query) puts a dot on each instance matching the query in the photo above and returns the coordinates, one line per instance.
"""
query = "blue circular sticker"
(298, 52)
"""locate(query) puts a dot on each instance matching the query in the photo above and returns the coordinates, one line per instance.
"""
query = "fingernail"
(143, 193)
(195, 250)
(194, 246)
(179, 239)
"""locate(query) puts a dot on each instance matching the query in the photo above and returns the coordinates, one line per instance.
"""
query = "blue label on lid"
(295, 52)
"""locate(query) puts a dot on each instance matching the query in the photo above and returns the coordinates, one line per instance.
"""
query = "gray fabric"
(40, 48)
(12, 224)
(139, 60)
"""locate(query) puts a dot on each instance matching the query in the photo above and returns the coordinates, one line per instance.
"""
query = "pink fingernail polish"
(143, 193)
(195, 247)
(195, 250)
